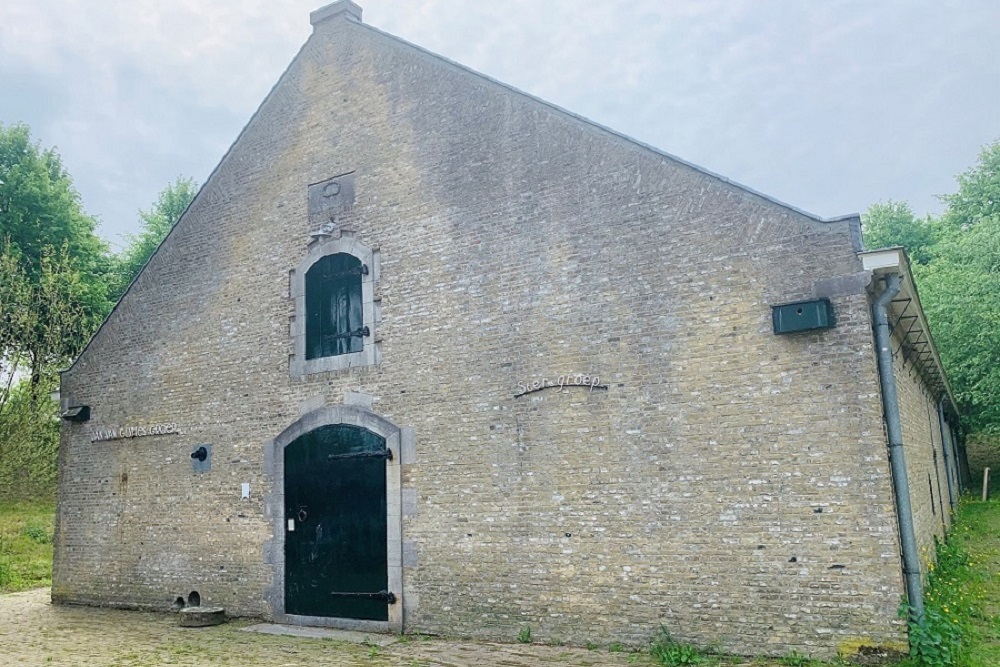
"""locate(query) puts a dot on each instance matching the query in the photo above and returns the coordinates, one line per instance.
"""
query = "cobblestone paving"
(38, 634)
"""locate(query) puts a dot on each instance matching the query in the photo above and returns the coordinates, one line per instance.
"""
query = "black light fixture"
(200, 454)
(77, 413)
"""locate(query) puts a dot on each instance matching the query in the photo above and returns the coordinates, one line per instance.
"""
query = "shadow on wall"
(983, 452)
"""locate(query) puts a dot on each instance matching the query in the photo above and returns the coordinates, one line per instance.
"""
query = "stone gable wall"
(729, 484)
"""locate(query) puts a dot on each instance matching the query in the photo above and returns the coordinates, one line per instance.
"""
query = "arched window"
(336, 312)
(335, 321)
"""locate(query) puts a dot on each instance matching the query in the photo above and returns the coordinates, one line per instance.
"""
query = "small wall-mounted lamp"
(201, 458)
(77, 413)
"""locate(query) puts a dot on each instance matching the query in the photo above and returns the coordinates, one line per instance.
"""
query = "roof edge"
(610, 131)
(895, 260)
(198, 195)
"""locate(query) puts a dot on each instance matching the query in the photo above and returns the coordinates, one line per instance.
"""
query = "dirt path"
(37, 634)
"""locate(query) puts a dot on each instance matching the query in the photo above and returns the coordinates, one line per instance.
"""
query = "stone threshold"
(352, 636)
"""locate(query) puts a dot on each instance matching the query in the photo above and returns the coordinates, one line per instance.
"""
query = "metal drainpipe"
(945, 446)
(897, 459)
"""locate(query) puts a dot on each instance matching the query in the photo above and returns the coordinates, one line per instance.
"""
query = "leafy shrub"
(671, 653)
(37, 534)
(524, 636)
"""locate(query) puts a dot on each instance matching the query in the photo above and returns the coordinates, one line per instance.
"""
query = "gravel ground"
(35, 633)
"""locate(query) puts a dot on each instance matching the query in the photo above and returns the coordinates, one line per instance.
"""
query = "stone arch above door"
(274, 552)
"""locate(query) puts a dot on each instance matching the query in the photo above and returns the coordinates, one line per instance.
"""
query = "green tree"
(978, 196)
(43, 318)
(54, 273)
(54, 265)
(40, 208)
(957, 269)
(960, 290)
(893, 223)
(29, 442)
(155, 224)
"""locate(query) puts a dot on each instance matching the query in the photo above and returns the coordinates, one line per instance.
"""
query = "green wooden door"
(335, 524)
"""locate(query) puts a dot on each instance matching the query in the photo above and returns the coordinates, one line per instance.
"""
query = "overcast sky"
(826, 105)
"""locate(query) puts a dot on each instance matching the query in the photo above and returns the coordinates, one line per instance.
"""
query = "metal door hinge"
(385, 596)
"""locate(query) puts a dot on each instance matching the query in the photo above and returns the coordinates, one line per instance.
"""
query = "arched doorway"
(336, 506)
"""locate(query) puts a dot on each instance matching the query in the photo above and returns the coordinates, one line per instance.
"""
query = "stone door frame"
(274, 549)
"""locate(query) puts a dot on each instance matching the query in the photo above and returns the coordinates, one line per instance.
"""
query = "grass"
(977, 586)
(25, 544)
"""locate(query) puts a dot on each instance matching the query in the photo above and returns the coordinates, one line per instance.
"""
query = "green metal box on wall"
(803, 316)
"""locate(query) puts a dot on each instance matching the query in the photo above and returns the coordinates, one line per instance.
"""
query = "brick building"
(429, 354)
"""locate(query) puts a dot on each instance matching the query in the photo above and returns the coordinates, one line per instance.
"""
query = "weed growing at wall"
(671, 653)
(524, 636)
(940, 638)
(794, 659)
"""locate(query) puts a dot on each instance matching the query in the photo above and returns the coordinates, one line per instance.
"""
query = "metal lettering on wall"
(133, 432)
(592, 382)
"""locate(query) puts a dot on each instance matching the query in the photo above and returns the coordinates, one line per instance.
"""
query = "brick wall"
(730, 484)
(923, 448)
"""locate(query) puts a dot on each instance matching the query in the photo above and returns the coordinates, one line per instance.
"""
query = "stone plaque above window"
(330, 197)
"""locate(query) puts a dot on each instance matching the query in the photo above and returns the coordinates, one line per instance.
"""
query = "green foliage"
(36, 533)
(42, 325)
(524, 636)
(960, 291)
(44, 316)
(156, 223)
(666, 651)
(893, 223)
(957, 270)
(794, 659)
(978, 196)
(40, 211)
(29, 442)
(939, 638)
(616, 647)
(53, 295)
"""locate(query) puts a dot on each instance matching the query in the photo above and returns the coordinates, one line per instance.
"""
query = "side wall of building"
(925, 457)
(729, 484)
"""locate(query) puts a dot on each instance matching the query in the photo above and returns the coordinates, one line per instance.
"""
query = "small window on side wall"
(334, 309)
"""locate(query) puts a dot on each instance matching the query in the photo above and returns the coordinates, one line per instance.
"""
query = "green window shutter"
(334, 311)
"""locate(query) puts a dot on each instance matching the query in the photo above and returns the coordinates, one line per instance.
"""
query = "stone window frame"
(369, 355)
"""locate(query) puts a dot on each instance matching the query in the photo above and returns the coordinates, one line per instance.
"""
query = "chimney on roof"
(340, 9)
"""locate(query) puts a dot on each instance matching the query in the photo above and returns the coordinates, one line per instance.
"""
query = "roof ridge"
(594, 125)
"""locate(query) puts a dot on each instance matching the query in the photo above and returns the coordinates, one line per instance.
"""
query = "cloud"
(829, 106)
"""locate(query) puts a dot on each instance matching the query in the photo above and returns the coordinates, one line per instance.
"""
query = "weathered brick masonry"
(729, 484)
